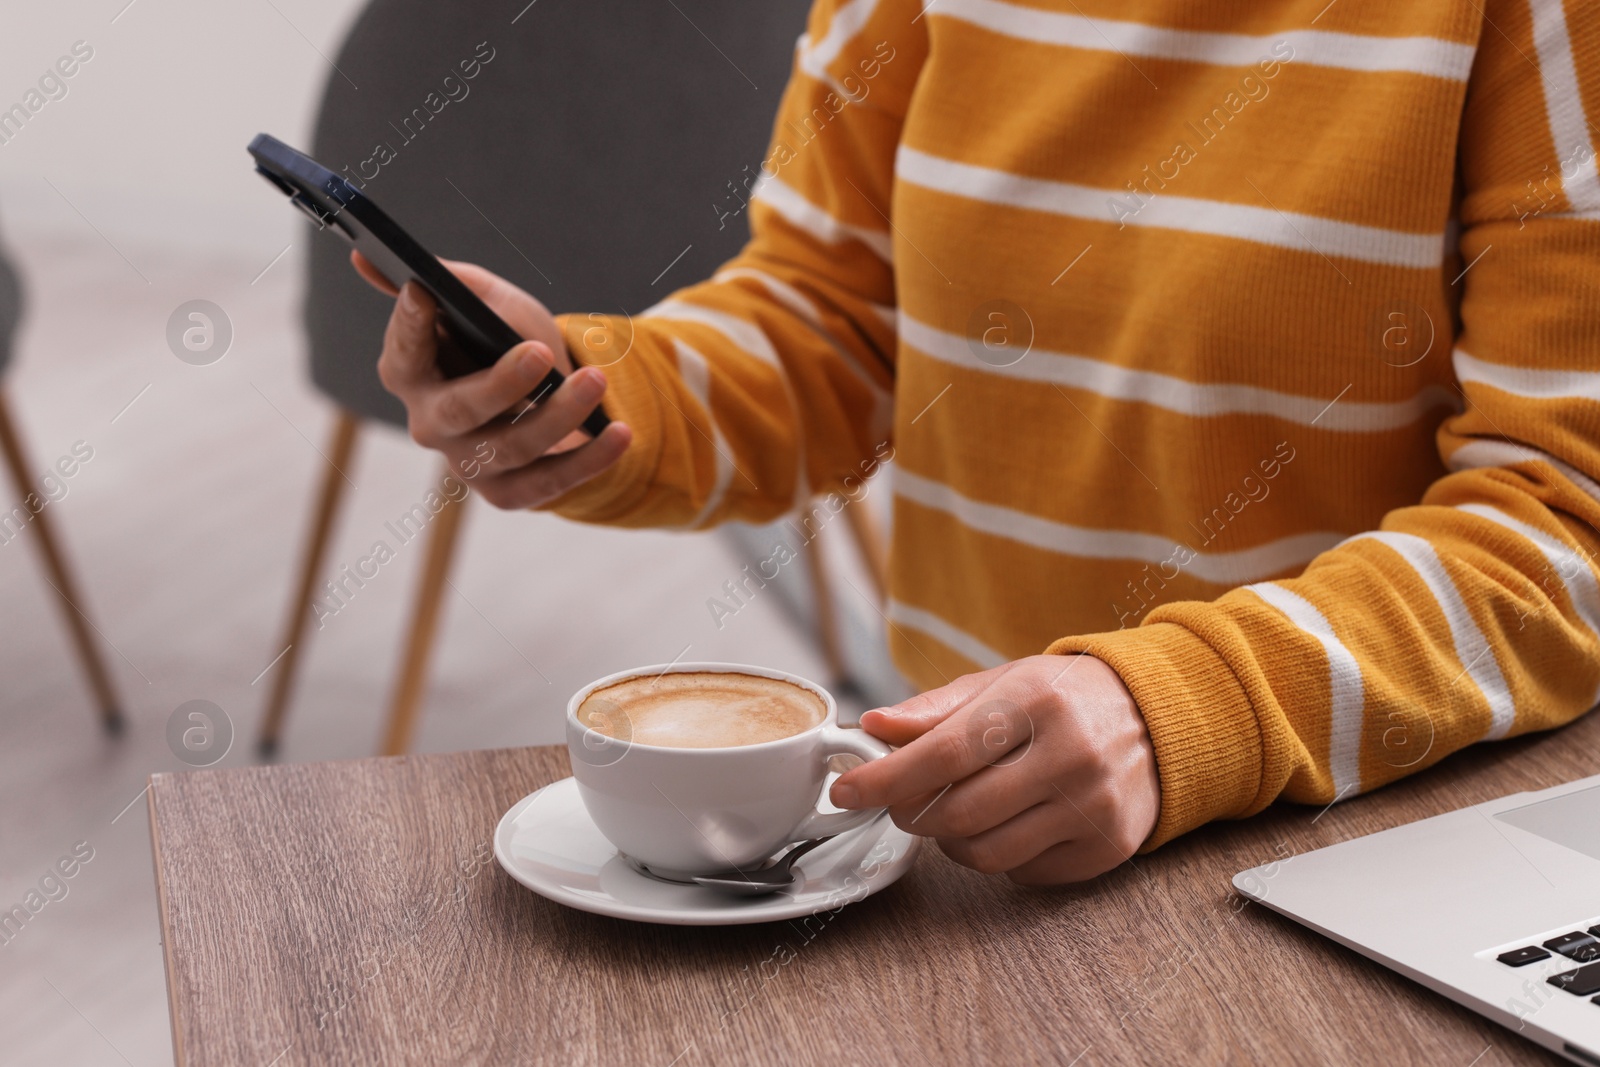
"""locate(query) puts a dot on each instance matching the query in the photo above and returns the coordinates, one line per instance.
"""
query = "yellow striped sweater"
(1252, 348)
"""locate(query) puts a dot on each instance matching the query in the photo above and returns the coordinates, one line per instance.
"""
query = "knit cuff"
(1208, 744)
(595, 341)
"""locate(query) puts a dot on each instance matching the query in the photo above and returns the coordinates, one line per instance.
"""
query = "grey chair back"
(589, 157)
(10, 309)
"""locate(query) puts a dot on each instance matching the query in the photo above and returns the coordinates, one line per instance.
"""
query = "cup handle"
(841, 742)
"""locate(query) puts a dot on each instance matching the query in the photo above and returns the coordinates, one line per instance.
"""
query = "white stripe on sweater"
(1481, 452)
(796, 301)
(750, 339)
(1220, 568)
(696, 375)
(1566, 563)
(1200, 400)
(744, 335)
(816, 223)
(1345, 686)
(1429, 56)
(950, 636)
(1569, 125)
(815, 56)
(1472, 648)
(1260, 224)
(1527, 381)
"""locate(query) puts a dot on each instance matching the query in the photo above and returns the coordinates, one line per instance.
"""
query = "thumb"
(521, 310)
(374, 277)
(909, 720)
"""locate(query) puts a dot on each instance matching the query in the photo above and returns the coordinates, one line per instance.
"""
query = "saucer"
(548, 843)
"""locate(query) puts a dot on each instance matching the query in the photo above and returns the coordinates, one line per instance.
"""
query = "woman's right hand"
(514, 454)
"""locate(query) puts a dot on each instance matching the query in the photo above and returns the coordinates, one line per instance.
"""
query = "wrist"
(1201, 723)
(1140, 778)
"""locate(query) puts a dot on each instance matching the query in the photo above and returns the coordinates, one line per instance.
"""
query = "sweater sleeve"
(771, 382)
(1475, 614)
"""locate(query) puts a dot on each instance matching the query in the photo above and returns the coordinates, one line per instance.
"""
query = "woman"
(1238, 368)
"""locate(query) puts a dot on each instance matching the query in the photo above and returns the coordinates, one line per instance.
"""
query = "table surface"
(353, 913)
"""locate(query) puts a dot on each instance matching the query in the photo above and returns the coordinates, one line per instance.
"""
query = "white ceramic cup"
(688, 811)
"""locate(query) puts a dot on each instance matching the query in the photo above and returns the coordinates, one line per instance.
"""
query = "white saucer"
(548, 843)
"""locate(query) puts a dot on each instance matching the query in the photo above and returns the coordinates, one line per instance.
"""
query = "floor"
(184, 526)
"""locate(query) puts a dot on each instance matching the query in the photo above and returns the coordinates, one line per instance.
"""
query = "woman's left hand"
(1041, 769)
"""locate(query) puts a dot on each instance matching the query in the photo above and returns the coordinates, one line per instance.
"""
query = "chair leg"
(412, 681)
(61, 578)
(872, 542)
(340, 447)
(827, 623)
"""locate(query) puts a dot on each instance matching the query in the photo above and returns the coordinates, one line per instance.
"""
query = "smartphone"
(476, 336)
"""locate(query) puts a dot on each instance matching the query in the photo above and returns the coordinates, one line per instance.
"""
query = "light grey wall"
(148, 142)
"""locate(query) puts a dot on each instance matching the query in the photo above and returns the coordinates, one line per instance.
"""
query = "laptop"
(1496, 906)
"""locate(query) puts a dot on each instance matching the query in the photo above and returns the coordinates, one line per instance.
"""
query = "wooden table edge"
(1412, 800)
(163, 917)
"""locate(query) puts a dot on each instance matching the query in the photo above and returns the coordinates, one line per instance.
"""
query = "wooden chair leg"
(827, 622)
(340, 447)
(873, 543)
(61, 578)
(412, 681)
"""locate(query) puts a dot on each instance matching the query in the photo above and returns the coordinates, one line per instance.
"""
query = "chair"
(23, 517)
(583, 163)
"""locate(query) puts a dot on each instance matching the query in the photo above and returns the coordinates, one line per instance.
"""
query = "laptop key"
(1583, 982)
(1521, 957)
(1576, 945)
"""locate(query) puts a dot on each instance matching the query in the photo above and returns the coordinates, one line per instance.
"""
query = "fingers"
(456, 408)
(542, 481)
(481, 411)
(1016, 841)
(910, 719)
(1048, 844)
(1069, 861)
(1101, 829)
(482, 282)
(373, 275)
(486, 284)
(979, 735)
(534, 432)
(925, 765)
(519, 308)
(1046, 777)
(410, 346)
(973, 805)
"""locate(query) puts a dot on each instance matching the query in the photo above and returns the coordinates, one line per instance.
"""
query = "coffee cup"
(698, 768)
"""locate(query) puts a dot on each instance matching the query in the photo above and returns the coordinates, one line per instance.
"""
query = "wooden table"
(352, 913)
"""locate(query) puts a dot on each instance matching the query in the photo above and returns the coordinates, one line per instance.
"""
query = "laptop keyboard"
(1580, 946)
(1577, 945)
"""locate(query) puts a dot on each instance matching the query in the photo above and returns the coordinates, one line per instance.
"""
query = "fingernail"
(408, 298)
(591, 385)
(846, 795)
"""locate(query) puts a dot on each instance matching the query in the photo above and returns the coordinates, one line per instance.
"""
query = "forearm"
(771, 382)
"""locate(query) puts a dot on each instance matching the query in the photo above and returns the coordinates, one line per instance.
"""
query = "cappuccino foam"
(701, 709)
